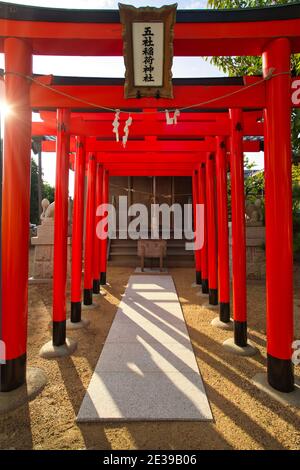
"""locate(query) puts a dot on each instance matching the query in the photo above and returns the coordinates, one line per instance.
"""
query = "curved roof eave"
(12, 11)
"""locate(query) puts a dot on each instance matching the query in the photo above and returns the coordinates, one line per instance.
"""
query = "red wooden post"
(195, 202)
(204, 255)
(89, 231)
(238, 229)
(96, 256)
(61, 227)
(15, 215)
(211, 229)
(77, 231)
(100, 201)
(103, 246)
(278, 210)
(223, 245)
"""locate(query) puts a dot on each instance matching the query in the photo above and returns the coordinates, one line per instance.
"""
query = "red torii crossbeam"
(136, 149)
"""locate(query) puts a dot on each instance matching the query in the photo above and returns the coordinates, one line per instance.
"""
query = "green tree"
(47, 192)
(296, 134)
(252, 65)
(34, 209)
(239, 66)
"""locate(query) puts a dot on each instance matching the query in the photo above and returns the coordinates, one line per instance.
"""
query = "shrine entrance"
(147, 191)
(151, 189)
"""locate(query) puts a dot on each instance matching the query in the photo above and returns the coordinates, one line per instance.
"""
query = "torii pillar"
(239, 344)
(211, 229)
(97, 241)
(77, 235)
(278, 210)
(60, 345)
(15, 215)
(204, 254)
(223, 242)
(89, 230)
(103, 241)
(195, 188)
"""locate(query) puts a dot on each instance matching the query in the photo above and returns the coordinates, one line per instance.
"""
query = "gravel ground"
(244, 417)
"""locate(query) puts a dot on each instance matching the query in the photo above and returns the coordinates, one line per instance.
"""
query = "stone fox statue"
(254, 213)
(49, 210)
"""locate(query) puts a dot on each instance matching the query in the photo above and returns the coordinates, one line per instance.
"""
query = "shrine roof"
(13, 11)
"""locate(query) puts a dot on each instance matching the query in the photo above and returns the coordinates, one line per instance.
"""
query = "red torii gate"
(273, 33)
(170, 158)
(118, 161)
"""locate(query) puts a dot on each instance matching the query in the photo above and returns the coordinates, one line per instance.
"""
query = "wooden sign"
(148, 50)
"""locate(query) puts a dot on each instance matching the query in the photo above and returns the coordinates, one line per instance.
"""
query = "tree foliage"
(296, 134)
(246, 3)
(255, 187)
(34, 198)
(251, 65)
(47, 192)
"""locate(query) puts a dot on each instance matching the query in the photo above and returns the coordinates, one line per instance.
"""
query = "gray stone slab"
(151, 283)
(145, 357)
(147, 369)
(151, 271)
(129, 332)
(152, 323)
(157, 297)
(124, 396)
(135, 308)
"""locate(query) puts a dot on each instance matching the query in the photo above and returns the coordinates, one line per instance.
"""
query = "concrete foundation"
(48, 351)
(217, 323)
(200, 294)
(78, 325)
(290, 399)
(89, 307)
(231, 347)
(210, 306)
(36, 380)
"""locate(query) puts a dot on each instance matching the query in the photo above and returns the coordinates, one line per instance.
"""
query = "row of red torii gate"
(206, 143)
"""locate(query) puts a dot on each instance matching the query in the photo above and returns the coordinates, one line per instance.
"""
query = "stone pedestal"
(44, 251)
(255, 251)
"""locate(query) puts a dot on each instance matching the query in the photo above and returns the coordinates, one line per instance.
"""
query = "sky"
(111, 66)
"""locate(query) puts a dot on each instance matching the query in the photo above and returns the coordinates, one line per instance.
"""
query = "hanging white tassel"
(169, 120)
(172, 120)
(176, 115)
(126, 130)
(116, 124)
